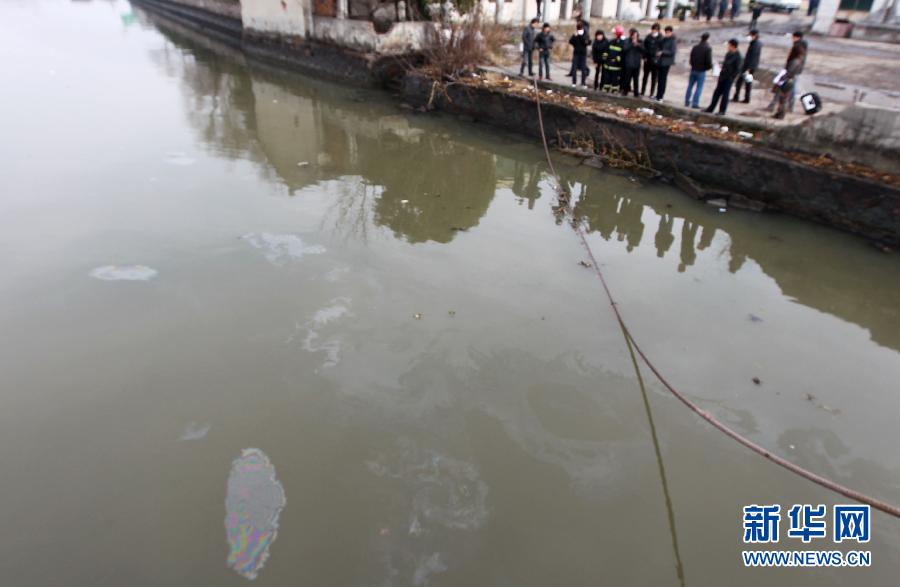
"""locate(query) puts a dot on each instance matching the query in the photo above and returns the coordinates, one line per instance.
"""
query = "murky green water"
(255, 325)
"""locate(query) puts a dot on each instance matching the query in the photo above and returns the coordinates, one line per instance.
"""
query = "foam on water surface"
(278, 248)
(124, 273)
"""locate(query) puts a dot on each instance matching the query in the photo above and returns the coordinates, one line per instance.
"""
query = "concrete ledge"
(217, 24)
(885, 33)
(401, 38)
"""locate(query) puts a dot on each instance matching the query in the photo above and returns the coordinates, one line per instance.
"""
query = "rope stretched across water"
(797, 469)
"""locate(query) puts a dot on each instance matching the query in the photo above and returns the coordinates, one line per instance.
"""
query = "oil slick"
(279, 248)
(443, 490)
(124, 273)
(253, 503)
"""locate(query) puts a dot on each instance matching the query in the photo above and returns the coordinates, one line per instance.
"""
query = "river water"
(262, 327)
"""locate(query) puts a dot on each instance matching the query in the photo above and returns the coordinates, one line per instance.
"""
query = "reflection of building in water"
(422, 185)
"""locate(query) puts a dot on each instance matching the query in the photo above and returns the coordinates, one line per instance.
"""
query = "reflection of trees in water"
(351, 213)
(447, 186)
(217, 91)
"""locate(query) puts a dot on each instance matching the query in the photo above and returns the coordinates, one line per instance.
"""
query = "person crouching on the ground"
(748, 69)
(612, 65)
(579, 42)
(651, 65)
(701, 62)
(632, 52)
(528, 35)
(786, 86)
(544, 42)
(599, 51)
(666, 55)
(731, 67)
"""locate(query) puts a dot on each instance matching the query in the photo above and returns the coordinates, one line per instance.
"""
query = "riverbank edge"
(745, 175)
(324, 60)
(741, 175)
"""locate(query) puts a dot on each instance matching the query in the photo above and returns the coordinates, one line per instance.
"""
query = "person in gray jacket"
(528, 35)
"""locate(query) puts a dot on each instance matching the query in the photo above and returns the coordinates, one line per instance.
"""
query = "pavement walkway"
(841, 71)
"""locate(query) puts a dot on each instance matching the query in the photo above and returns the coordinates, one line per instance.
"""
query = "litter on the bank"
(745, 135)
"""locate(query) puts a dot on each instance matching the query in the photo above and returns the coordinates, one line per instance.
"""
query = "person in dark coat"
(708, 9)
(528, 34)
(731, 67)
(651, 65)
(599, 50)
(632, 53)
(579, 42)
(701, 62)
(756, 10)
(723, 8)
(544, 43)
(751, 62)
(666, 56)
(735, 9)
(612, 65)
(577, 16)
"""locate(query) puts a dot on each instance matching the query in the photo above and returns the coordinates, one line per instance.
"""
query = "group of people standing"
(618, 63)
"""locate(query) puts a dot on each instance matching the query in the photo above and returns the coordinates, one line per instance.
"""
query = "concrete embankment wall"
(855, 204)
(287, 33)
(868, 135)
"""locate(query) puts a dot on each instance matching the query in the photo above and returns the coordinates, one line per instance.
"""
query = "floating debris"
(754, 318)
(124, 273)
(585, 264)
(179, 158)
(195, 431)
(253, 503)
(279, 247)
(302, 163)
(451, 313)
(417, 316)
(757, 380)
